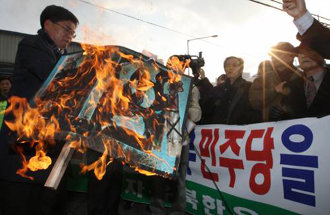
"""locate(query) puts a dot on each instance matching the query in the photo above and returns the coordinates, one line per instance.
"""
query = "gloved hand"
(277, 113)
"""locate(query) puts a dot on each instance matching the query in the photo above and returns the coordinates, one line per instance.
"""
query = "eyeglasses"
(236, 64)
(67, 30)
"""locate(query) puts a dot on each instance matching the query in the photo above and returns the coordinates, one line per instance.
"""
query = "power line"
(276, 1)
(271, 6)
(138, 19)
(315, 15)
(267, 5)
(188, 35)
(182, 33)
(318, 16)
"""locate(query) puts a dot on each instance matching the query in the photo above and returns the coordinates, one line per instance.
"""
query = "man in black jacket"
(36, 57)
(278, 91)
(229, 102)
(317, 82)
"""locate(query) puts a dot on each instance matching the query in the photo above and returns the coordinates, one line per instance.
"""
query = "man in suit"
(37, 54)
(311, 32)
(36, 57)
(317, 83)
(276, 91)
(229, 102)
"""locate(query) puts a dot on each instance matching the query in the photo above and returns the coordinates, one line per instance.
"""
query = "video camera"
(196, 62)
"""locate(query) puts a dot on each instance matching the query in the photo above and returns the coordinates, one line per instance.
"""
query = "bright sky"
(245, 29)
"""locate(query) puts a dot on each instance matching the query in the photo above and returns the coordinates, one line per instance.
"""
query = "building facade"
(9, 41)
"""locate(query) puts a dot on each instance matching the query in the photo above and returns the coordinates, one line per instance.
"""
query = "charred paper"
(121, 97)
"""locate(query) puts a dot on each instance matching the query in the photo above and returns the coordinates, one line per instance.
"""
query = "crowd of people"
(280, 91)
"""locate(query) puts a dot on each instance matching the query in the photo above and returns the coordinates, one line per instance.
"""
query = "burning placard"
(117, 102)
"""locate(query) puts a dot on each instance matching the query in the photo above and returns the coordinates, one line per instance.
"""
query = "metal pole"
(188, 54)
(198, 38)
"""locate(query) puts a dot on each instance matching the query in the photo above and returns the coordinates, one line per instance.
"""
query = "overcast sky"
(245, 29)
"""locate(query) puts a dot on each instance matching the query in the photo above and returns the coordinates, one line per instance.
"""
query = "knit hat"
(302, 49)
(284, 47)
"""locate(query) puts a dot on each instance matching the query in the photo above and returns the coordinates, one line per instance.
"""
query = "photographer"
(205, 88)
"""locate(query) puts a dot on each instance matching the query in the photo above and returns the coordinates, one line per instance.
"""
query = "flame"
(24, 169)
(29, 120)
(39, 162)
(175, 64)
(144, 172)
(113, 100)
(98, 166)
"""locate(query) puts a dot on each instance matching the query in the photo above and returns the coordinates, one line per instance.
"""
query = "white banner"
(266, 168)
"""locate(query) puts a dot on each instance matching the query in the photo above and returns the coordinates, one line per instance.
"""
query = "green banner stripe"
(3, 105)
(139, 190)
(232, 201)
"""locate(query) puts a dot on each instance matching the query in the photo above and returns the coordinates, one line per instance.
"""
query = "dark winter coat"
(36, 57)
(321, 103)
(275, 106)
(317, 37)
(231, 104)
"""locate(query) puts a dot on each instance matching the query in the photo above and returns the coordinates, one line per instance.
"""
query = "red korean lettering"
(232, 164)
(207, 146)
(263, 188)
(232, 137)
(260, 155)
(207, 172)
(208, 142)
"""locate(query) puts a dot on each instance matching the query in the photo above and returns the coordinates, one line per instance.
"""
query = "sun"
(253, 39)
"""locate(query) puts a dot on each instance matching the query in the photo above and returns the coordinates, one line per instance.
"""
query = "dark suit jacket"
(36, 56)
(35, 59)
(231, 104)
(263, 97)
(317, 37)
(205, 89)
(321, 103)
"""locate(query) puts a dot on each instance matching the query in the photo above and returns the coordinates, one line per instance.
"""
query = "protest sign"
(110, 99)
(267, 168)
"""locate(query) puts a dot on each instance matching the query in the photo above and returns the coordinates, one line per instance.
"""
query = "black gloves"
(277, 113)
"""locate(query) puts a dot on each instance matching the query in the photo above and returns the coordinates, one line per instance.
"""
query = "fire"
(39, 162)
(29, 120)
(175, 64)
(99, 166)
(31, 128)
(93, 102)
(144, 172)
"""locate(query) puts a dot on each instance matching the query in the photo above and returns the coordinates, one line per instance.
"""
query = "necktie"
(310, 91)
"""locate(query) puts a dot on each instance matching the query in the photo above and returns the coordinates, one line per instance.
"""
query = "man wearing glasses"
(36, 57)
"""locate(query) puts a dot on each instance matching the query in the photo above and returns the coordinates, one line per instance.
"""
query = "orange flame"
(39, 162)
(99, 72)
(144, 172)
